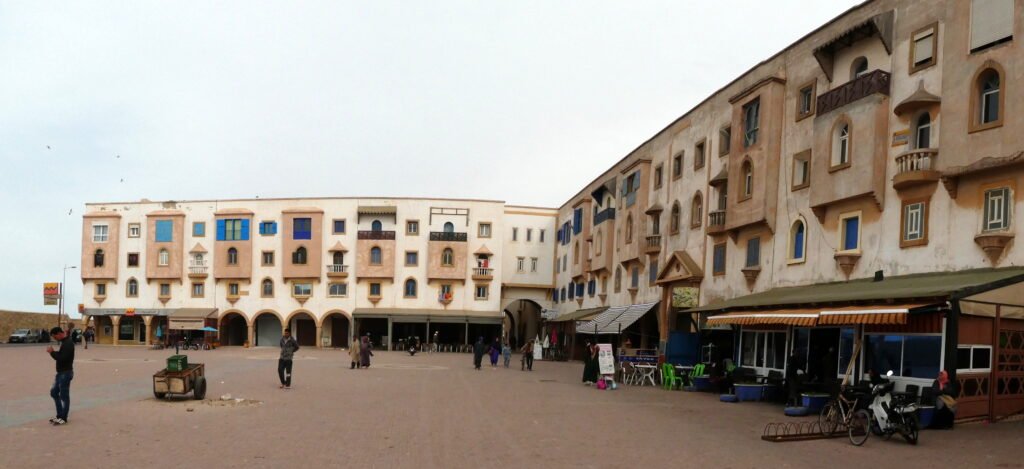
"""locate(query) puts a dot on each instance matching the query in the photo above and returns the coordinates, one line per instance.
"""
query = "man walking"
(61, 390)
(284, 364)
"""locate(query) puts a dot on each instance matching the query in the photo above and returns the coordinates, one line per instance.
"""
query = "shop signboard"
(685, 297)
(51, 293)
(605, 359)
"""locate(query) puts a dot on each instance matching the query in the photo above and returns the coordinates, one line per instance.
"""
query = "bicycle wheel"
(859, 430)
(828, 420)
(913, 430)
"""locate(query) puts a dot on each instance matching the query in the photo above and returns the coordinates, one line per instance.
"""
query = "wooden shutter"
(923, 46)
(991, 20)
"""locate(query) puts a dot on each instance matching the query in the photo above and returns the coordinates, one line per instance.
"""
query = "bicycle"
(842, 410)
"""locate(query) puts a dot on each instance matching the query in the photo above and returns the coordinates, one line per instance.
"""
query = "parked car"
(23, 336)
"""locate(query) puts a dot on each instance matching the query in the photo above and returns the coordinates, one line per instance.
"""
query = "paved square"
(422, 411)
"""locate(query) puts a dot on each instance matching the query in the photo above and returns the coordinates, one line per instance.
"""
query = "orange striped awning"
(887, 314)
(796, 317)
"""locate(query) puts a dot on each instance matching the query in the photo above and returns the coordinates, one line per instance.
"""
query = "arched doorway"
(523, 322)
(336, 329)
(234, 329)
(268, 329)
(303, 327)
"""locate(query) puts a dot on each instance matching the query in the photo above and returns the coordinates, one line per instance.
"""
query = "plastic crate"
(177, 363)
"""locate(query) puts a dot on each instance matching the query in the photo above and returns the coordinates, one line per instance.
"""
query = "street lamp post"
(63, 280)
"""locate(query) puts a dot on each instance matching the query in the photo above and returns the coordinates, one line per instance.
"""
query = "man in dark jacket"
(61, 389)
(478, 352)
(284, 364)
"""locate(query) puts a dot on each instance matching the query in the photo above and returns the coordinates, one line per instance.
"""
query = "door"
(268, 331)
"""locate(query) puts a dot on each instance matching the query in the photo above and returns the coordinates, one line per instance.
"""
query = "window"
(100, 233)
(656, 223)
(449, 227)
(376, 256)
(133, 288)
(338, 226)
(658, 173)
(974, 358)
(673, 220)
(198, 229)
(520, 264)
(533, 264)
(991, 23)
(268, 258)
(563, 294)
(134, 230)
(515, 234)
(300, 257)
(337, 290)
(997, 209)
(572, 291)
(748, 179)
(988, 99)
(922, 48)
(232, 256)
(858, 68)
(723, 196)
(849, 232)
(677, 166)
(592, 287)
(579, 290)
(163, 258)
(302, 289)
(164, 231)
(267, 288)
(753, 252)
(718, 259)
(805, 101)
(412, 258)
(165, 290)
(565, 261)
(841, 146)
(197, 260)
(375, 289)
(97, 258)
(233, 230)
(445, 294)
(376, 225)
(483, 230)
(529, 235)
(802, 170)
(909, 356)
(629, 228)
(652, 272)
(751, 117)
(797, 241)
(447, 257)
(763, 349)
(724, 140)
(634, 277)
(923, 131)
(540, 238)
(233, 289)
(199, 290)
(101, 289)
(698, 154)
(338, 258)
(598, 243)
(302, 228)
(915, 224)
(618, 279)
(410, 288)
(481, 292)
(697, 211)
(268, 228)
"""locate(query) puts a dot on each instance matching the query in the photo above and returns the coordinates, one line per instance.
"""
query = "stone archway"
(267, 329)
(304, 328)
(337, 328)
(234, 329)
(524, 319)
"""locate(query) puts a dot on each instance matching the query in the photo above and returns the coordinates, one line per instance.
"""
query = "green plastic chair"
(669, 378)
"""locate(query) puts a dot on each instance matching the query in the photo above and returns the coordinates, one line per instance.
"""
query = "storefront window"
(764, 349)
(845, 349)
(749, 343)
(912, 356)
(126, 330)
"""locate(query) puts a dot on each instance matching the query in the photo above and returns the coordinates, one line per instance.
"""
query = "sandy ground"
(424, 411)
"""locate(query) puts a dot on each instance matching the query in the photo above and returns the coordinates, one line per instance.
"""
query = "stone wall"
(11, 320)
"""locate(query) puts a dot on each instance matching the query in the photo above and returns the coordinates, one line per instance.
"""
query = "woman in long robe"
(478, 352)
(494, 352)
(365, 352)
(590, 366)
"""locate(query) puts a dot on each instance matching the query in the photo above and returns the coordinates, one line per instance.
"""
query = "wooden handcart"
(191, 379)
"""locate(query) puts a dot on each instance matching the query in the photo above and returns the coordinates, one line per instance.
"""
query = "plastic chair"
(669, 378)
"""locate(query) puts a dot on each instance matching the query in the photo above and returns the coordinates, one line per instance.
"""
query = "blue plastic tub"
(814, 401)
(702, 383)
(925, 415)
(795, 411)
(728, 398)
(749, 392)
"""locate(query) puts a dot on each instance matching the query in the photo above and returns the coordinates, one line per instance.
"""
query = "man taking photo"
(65, 358)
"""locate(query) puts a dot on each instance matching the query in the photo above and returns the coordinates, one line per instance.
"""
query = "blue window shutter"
(559, 235)
(273, 228)
(850, 238)
(245, 230)
(798, 243)
(164, 231)
(220, 230)
(263, 228)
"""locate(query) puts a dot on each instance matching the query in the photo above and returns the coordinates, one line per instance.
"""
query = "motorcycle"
(886, 416)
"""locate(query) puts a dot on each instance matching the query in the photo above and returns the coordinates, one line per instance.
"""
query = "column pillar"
(319, 337)
(115, 332)
(251, 330)
(390, 340)
(147, 321)
(663, 311)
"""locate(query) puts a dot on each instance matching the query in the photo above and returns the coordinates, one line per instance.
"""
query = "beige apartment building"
(860, 188)
(328, 268)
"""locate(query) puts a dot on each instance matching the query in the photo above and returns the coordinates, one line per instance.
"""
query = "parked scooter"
(885, 416)
(412, 343)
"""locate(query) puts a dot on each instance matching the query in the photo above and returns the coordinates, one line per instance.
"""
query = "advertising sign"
(606, 359)
(685, 297)
(51, 293)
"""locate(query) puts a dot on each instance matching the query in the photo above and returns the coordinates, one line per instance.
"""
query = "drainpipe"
(952, 338)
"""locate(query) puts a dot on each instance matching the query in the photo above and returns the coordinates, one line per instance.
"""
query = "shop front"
(455, 329)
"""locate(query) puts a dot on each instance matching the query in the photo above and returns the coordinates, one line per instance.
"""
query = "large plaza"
(422, 411)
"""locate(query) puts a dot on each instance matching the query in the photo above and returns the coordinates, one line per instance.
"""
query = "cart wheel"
(199, 388)
(159, 395)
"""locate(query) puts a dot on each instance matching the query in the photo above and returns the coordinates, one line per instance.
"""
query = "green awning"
(938, 285)
(580, 314)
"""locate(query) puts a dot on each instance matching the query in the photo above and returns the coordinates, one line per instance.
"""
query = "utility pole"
(60, 300)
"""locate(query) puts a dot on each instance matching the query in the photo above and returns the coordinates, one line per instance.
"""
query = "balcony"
(653, 245)
(867, 85)
(483, 273)
(603, 215)
(337, 270)
(387, 235)
(716, 222)
(447, 236)
(916, 167)
(198, 270)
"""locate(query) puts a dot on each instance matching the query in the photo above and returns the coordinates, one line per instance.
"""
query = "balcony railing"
(917, 160)
(866, 85)
(197, 268)
(603, 215)
(482, 272)
(337, 268)
(447, 236)
(376, 235)
(716, 218)
(654, 241)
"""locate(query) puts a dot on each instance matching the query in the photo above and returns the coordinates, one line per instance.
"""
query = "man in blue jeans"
(61, 390)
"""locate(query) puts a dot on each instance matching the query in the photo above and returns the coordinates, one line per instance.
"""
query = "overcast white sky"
(523, 101)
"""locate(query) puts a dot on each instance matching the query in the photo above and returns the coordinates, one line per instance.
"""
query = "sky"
(524, 101)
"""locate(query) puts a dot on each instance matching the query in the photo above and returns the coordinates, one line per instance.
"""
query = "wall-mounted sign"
(900, 138)
(685, 297)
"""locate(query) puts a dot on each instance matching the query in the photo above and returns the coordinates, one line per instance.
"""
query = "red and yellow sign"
(129, 312)
(51, 293)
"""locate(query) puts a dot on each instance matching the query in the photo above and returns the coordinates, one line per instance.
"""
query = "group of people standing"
(501, 349)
